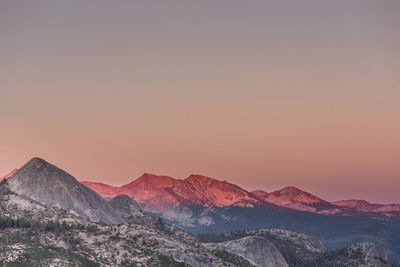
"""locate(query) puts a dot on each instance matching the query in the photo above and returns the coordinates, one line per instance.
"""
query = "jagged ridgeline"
(48, 218)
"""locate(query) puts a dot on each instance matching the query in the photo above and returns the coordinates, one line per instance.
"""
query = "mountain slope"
(130, 210)
(173, 197)
(51, 186)
(364, 206)
(8, 175)
(186, 202)
(181, 201)
(201, 191)
(104, 190)
(195, 190)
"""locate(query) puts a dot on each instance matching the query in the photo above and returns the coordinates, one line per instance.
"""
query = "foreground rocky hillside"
(301, 250)
(361, 254)
(38, 235)
(296, 248)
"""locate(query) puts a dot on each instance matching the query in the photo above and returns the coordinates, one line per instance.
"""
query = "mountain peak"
(296, 194)
(152, 179)
(294, 198)
(37, 161)
(291, 189)
(148, 180)
(51, 186)
(144, 187)
(38, 168)
(199, 178)
(38, 165)
(149, 175)
(260, 194)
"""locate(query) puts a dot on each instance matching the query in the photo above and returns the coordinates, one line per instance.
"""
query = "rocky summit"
(51, 186)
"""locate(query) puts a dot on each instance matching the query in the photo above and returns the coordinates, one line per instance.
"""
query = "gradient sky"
(263, 94)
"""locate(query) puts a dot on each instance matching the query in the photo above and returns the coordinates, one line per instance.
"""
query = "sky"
(263, 94)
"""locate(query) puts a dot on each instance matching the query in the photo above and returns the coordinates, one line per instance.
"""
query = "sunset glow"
(263, 95)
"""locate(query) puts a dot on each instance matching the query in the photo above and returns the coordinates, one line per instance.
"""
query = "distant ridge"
(365, 206)
(194, 190)
(294, 198)
(160, 193)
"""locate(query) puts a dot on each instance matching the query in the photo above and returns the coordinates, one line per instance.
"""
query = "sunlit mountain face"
(164, 192)
(204, 205)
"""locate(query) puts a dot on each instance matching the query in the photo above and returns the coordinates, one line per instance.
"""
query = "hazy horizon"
(263, 94)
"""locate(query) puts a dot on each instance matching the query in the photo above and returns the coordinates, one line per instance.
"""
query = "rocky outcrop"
(130, 210)
(298, 249)
(357, 255)
(302, 241)
(257, 250)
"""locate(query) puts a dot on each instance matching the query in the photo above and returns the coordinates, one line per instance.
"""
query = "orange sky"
(263, 94)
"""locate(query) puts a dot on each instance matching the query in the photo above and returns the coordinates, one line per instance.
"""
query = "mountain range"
(158, 192)
(203, 205)
(161, 194)
(57, 215)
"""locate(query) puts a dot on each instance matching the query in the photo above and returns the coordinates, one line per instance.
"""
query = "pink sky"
(262, 94)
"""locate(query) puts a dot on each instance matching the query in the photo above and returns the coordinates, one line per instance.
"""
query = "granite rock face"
(130, 210)
(362, 254)
(51, 186)
(257, 250)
